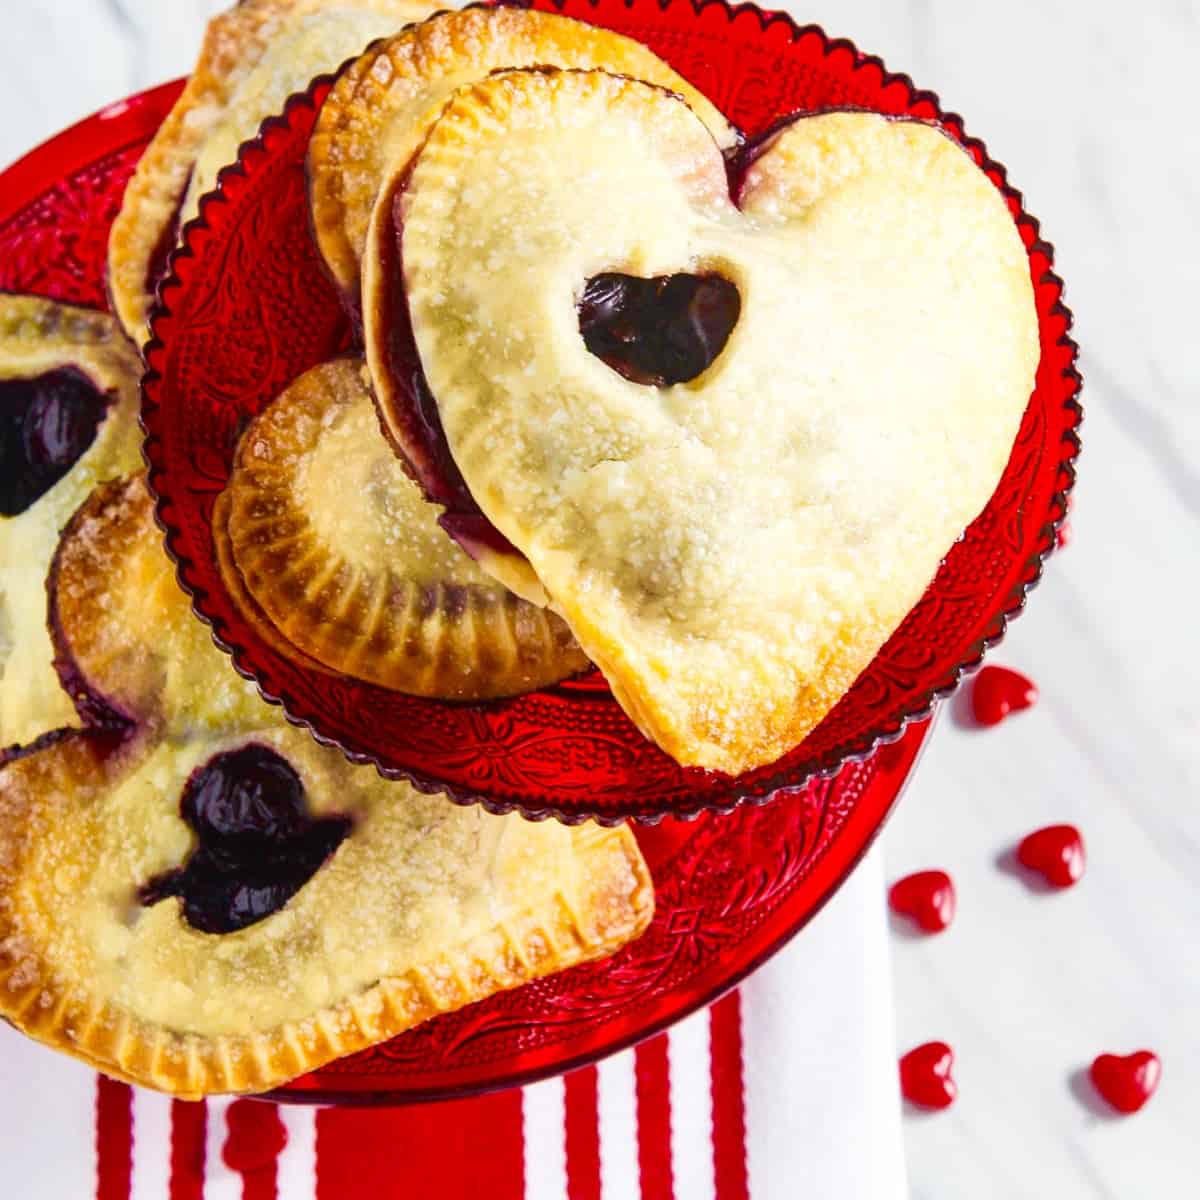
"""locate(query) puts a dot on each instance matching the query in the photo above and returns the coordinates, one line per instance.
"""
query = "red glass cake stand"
(731, 890)
(248, 308)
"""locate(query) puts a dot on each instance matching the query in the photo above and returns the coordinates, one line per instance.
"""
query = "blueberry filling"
(421, 439)
(257, 844)
(47, 424)
(658, 331)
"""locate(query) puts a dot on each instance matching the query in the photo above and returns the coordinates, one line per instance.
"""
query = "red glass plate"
(249, 308)
(731, 890)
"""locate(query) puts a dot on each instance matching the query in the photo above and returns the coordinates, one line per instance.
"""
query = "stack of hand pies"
(632, 392)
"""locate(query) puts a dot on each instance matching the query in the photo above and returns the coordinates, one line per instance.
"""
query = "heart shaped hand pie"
(733, 550)
(333, 549)
(68, 417)
(254, 57)
(199, 898)
(166, 959)
(381, 108)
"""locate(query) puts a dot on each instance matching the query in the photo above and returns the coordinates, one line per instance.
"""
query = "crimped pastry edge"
(159, 183)
(768, 733)
(515, 648)
(189, 1066)
(1062, 390)
(362, 90)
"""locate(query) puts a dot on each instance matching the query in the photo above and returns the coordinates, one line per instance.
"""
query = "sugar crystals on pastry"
(202, 899)
(732, 519)
(68, 418)
(254, 57)
(129, 648)
(330, 544)
(383, 104)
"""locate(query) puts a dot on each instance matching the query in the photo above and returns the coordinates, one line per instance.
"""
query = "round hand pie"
(382, 106)
(254, 57)
(332, 548)
(204, 900)
(733, 436)
(68, 417)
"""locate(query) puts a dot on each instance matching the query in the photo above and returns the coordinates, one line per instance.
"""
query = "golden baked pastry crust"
(422, 908)
(731, 551)
(245, 603)
(38, 336)
(341, 554)
(384, 103)
(111, 582)
(254, 56)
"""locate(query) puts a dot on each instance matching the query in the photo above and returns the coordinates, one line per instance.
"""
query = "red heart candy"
(1128, 1081)
(925, 1077)
(256, 1136)
(1056, 852)
(928, 897)
(997, 691)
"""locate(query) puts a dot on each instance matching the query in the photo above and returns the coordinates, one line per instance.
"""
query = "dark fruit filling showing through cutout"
(257, 844)
(659, 331)
(47, 423)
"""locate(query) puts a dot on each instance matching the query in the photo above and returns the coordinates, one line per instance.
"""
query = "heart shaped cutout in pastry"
(68, 418)
(200, 898)
(731, 551)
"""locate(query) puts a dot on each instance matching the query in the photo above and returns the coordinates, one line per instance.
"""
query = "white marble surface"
(1092, 107)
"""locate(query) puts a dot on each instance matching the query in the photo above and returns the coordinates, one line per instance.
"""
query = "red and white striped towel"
(785, 1089)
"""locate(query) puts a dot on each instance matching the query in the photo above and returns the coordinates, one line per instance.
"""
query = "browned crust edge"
(190, 1067)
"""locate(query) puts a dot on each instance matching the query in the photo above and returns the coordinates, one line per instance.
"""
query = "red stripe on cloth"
(261, 1184)
(114, 1139)
(188, 1128)
(583, 1135)
(729, 1115)
(458, 1151)
(654, 1119)
(255, 1138)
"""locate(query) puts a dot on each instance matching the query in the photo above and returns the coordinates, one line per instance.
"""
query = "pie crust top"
(415, 907)
(732, 550)
(342, 555)
(110, 583)
(37, 339)
(254, 57)
(381, 107)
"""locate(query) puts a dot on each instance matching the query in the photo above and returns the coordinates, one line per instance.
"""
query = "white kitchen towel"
(785, 1090)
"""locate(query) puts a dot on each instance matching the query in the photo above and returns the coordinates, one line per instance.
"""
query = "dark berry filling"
(424, 444)
(257, 844)
(654, 331)
(422, 441)
(658, 331)
(47, 424)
